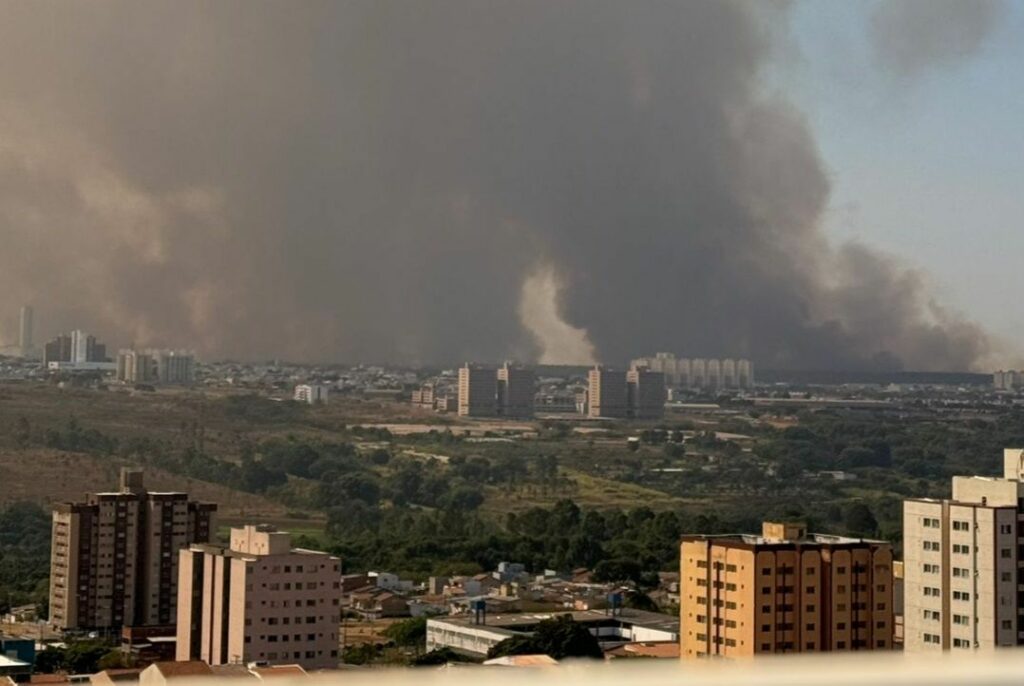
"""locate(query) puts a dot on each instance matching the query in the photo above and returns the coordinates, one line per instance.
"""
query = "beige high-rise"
(785, 591)
(516, 389)
(646, 393)
(607, 393)
(478, 391)
(114, 559)
(258, 600)
(963, 564)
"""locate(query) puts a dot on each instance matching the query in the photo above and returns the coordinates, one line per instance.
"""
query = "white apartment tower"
(962, 563)
(698, 372)
(25, 332)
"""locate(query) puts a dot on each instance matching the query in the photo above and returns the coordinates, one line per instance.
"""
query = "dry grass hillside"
(47, 477)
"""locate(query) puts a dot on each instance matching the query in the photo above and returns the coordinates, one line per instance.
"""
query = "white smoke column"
(540, 312)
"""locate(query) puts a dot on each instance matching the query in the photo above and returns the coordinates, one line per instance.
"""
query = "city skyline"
(515, 212)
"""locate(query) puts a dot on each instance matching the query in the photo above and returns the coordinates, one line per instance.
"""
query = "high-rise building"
(698, 373)
(25, 345)
(76, 348)
(645, 393)
(258, 600)
(729, 378)
(607, 393)
(714, 375)
(785, 591)
(135, 367)
(175, 366)
(114, 559)
(963, 564)
(744, 374)
(57, 350)
(516, 388)
(312, 393)
(1008, 380)
(156, 367)
(478, 391)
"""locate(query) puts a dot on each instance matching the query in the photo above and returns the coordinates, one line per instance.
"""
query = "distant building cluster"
(700, 373)
(506, 391)
(153, 366)
(75, 350)
(1009, 380)
(636, 394)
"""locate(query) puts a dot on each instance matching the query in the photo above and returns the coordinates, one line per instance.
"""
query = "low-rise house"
(116, 677)
(163, 673)
(375, 603)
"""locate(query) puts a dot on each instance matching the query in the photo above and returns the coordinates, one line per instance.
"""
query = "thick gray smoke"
(389, 180)
(912, 37)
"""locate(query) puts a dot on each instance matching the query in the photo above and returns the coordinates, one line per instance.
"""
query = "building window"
(1006, 528)
(1007, 624)
(730, 568)
(1006, 553)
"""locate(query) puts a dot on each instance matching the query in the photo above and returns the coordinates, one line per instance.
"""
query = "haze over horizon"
(426, 183)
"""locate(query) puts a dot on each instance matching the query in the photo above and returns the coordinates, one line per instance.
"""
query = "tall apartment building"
(516, 389)
(607, 393)
(729, 378)
(703, 373)
(156, 366)
(135, 367)
(77, 347)
(785, 591)
(714, 375)
(963, 563)
(744, 373)
(25, 345)
(478, 391)
(114, 559)
(312, 393)
(57, 350)
(646, 393)
(258, 600)
(698, 373)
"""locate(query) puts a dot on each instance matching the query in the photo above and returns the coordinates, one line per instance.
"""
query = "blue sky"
(930, 170)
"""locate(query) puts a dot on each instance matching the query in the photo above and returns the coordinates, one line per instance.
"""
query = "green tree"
(409, 633)
(559, 637)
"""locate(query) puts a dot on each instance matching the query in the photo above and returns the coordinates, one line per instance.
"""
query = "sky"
(810, 184)
(928, 168)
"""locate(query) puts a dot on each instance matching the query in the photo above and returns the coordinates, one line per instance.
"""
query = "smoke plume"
(378, 180)
(912, 37)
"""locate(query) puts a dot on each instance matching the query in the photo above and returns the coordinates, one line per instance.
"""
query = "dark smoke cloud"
(912, 37)
(376, 180)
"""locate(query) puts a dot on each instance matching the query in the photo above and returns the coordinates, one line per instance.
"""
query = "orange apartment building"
(259, 601)
(785, 591)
